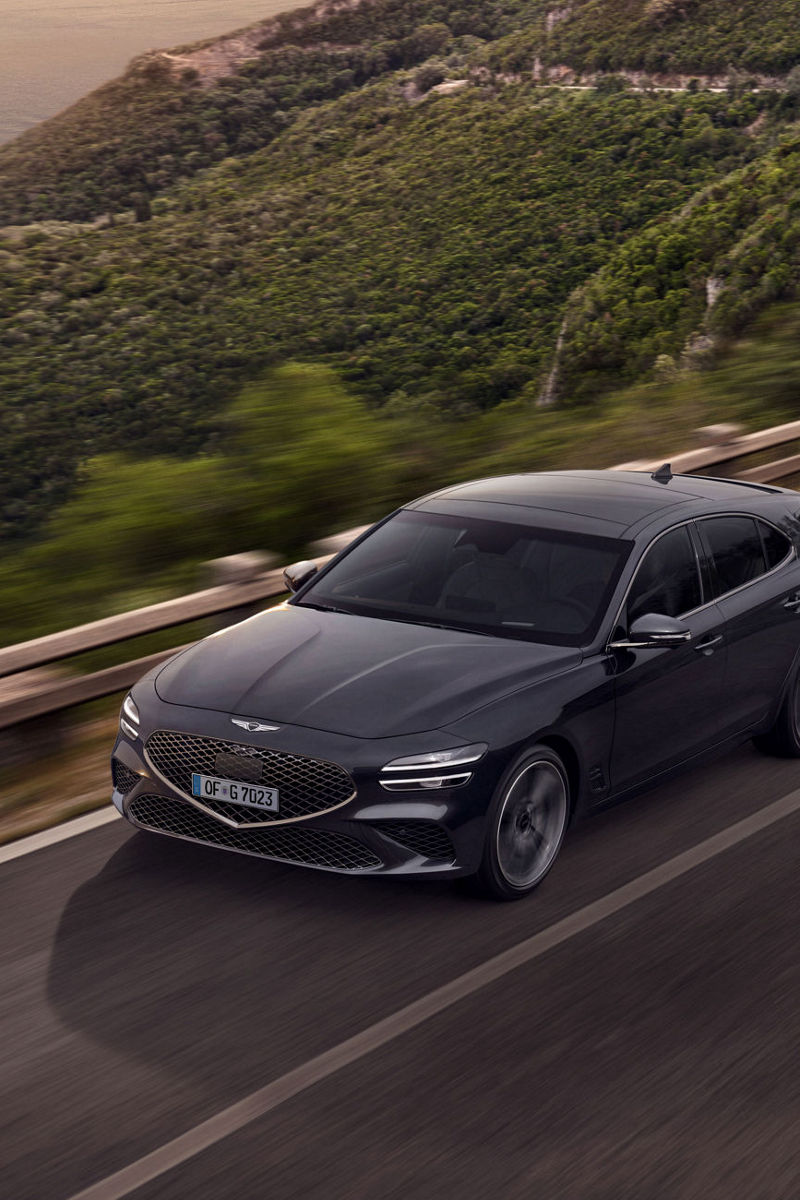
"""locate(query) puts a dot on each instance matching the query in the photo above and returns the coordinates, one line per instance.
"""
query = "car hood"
(352, 675)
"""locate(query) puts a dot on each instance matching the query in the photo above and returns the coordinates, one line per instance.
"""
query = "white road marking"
(265, 1099)
(58, 833)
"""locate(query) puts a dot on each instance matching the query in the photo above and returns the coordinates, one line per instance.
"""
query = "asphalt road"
(146, 985)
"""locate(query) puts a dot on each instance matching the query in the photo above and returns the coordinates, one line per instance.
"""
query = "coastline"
(50, 58)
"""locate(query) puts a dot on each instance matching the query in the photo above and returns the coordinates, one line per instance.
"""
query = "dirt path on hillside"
(214, 60)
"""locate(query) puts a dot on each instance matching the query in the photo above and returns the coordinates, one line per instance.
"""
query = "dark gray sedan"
(477, 671)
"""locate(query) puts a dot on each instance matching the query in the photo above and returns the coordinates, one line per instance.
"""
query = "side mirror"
(299, 574)
(654, 631)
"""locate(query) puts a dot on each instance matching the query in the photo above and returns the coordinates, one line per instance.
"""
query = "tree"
(793, 82)
(142, 209)
(424, 42)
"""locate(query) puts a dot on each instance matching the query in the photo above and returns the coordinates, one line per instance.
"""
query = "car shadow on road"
(203, 960)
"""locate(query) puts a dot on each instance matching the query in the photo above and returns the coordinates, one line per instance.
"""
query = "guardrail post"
(718, 435)
(24, 742)
(327, 546)
(236, 569)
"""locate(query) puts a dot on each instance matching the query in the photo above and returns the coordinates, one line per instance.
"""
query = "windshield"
(493, 577)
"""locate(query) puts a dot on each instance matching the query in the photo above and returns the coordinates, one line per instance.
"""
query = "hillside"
(681, 37)
(321, 202)
(426, 251)
(174, 113)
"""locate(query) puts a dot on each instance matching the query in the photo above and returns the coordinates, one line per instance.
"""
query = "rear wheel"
(784, 736)
(527, 821)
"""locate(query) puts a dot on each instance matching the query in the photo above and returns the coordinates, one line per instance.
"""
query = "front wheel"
(784, 737)
(527, 820)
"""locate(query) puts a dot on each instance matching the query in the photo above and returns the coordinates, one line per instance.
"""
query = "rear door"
(670, 703)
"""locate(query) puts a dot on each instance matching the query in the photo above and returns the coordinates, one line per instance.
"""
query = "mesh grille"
(425, 838)
(305, 785)
(123, 778)
(290, 843)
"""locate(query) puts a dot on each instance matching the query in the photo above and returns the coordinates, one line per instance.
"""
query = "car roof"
(608, 503)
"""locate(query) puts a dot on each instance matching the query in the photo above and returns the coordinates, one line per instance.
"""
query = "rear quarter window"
(736, 551)
(776, 545)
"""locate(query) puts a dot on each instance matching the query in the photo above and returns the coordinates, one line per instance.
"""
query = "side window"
(735, 549)
(776, 545)
(668, 581)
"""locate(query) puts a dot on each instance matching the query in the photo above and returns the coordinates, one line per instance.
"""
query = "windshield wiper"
(414, 620)
(324, 607)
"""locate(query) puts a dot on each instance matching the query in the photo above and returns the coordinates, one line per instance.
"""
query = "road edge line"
(57, 833)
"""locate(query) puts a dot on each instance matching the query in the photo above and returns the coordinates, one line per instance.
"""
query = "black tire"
(527, 820)
(783, 739)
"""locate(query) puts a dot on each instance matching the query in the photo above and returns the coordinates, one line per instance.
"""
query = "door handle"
(792, 603)
(708, 645)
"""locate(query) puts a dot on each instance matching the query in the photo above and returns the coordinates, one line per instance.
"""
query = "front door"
(670, 703)
(757, 584)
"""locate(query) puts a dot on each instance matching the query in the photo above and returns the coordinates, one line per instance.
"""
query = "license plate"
(251, 795)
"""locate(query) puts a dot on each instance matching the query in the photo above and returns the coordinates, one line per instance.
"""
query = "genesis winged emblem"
(254, 726)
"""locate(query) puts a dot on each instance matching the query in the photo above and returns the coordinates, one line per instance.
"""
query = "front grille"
(305, 785)
(123, 778)
(291, 843)
(425, 838)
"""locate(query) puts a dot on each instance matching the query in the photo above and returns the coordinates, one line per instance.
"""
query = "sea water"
(55, 51)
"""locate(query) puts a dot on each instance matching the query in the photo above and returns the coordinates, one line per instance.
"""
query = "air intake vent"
(123, 778)
(290, 843)
(425, 838)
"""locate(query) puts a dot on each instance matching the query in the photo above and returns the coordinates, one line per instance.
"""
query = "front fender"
(574, 708)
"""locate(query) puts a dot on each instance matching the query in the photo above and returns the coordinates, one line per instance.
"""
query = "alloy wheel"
(531, 823)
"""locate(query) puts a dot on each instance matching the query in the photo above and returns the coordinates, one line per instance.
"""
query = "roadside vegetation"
(69, 778)
(296, 450)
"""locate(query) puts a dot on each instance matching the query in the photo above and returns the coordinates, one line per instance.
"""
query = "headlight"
(431, 770)
(129, 718)
(458, 757)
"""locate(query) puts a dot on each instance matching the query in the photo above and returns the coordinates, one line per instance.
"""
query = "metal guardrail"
(46, 696)
(25, 703)
(737, 447)
(106, 632)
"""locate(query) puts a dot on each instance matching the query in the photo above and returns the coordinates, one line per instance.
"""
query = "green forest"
(690, 37)
(235, 308)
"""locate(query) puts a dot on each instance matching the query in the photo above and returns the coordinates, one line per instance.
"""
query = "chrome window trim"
(245, 824)
(778, 566)
(707, 603)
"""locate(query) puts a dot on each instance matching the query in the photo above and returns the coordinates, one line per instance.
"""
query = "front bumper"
(427, 832)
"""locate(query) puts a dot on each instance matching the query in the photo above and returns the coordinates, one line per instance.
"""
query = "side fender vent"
(597, 780)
